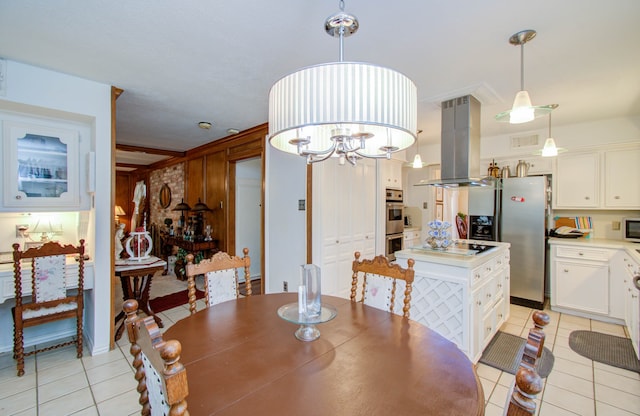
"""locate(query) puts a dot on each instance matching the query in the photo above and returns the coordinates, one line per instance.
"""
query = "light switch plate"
(615, 225)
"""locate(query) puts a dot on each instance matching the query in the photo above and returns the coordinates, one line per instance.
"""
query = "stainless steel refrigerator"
(522, 223)
(518, 212)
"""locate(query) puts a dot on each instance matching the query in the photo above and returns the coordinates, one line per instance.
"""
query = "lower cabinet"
(582, 286)
(411, 238)
(632, 302)
(465, 305)
(580, 279)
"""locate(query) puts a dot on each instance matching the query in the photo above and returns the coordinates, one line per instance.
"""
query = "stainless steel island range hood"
(460, 145)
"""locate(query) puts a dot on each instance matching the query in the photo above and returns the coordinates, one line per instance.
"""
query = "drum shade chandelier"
(522, 111)
(343, 109)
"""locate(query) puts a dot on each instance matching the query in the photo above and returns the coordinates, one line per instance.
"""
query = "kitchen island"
(461, 293)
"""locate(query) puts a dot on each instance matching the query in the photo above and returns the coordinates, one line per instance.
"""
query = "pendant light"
(550, 149)
(343, 109)
(417, 160)
(522, 111)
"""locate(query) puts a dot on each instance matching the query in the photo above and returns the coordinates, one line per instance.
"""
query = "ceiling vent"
(532, 140)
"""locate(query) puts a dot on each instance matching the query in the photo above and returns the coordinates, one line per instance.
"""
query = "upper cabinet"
(41, 167)
(391, 173)
(622, 172)
(598, 179)
(576, 182)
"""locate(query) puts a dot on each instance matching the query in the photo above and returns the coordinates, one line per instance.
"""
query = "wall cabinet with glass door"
(41, 167)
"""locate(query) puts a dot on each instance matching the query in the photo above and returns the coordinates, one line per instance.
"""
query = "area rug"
(504, 352)
(172, 300)
(604, 348)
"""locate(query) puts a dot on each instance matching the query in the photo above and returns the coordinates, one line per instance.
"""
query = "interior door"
(248, 209)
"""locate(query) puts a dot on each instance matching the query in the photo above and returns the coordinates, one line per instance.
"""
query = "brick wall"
(173, 176)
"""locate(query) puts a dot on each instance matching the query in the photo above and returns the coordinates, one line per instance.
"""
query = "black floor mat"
(504, 352)
(605, 348)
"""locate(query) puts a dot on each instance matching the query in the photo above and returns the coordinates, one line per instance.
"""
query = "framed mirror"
(165, 196)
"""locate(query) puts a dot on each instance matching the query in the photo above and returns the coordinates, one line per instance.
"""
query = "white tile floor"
(56, 383)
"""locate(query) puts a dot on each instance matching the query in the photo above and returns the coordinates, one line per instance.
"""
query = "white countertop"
(631, 248)
(452, 259)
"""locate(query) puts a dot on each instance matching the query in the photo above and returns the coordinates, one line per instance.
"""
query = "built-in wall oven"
(394, 223)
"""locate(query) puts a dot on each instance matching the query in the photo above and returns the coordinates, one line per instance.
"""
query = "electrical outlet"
(615, 225)
(285, 286)
(301, 204)
(425, 205)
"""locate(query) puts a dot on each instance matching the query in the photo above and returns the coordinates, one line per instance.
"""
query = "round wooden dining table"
(243, 359)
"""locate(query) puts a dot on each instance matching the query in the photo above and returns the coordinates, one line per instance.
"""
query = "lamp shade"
(357, 98)
(549, 148)
(417, 161)
(119, 211)
(182, 206)
(200, 206)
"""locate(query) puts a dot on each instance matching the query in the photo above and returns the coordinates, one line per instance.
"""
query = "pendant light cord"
(522, 67)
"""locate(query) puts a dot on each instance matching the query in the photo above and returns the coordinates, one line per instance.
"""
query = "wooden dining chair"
(528, 383)
(379, 282)
(50, 300)
(220, 277)
(162, 379)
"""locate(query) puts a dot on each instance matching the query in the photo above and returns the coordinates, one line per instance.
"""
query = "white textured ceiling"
(181, 62)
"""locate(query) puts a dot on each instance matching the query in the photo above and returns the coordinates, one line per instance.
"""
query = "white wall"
(285, 225)
(53, 94)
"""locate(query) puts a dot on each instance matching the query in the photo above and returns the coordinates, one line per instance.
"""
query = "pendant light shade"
(343, 109)
(417, 161)
(549, 148)
(522, 110)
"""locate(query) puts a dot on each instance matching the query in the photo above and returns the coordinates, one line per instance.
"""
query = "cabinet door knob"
(18, 196)
(616, 197)
(587, 198)
(581, 254)
(566, 270)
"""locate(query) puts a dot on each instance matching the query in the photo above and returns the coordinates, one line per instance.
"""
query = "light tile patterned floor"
(56, 383)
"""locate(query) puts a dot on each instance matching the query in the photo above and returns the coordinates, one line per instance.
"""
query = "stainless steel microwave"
(631, 229)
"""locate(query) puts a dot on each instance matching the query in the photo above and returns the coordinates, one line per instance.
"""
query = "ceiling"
(180, 63)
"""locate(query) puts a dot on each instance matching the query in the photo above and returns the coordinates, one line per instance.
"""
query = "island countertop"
(419, 253)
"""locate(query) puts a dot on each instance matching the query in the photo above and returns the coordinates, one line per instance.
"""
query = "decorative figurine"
(118, 240)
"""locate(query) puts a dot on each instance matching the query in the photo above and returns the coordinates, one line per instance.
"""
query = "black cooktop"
(479, 248)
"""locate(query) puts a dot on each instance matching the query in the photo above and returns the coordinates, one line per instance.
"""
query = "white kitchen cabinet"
(540, 165)
(631, 301)
(391, 173)
(576, 181)
(465, 299)
(411, 238)
(344, 203)
(598, 179)
(622, 172)
(40, 166)
(580, 280)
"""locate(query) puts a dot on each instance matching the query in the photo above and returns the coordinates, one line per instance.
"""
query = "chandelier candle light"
(343, 109)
